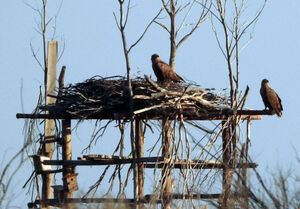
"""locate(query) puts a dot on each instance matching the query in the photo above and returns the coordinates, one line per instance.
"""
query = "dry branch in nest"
(109, 97)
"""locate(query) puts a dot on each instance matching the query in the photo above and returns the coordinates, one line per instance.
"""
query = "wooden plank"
(227, 172)
(151, 198)
(50, 89)
(101, 162)
(183, 165)
(245, 169)
(140, 166)
(61, 83)
(199, 165)
(58, 203)
(220, 115)
(166, 170)
(49, 127)
(66, 155)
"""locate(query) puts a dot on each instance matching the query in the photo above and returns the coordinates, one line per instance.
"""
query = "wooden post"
(50, 84)
(66, 155)
(166, 171)
(140, 166)
(134, 165)
(245, 169)
(227, 173)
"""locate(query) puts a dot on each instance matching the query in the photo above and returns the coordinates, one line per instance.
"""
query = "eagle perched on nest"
(270, 98)
(163, 71)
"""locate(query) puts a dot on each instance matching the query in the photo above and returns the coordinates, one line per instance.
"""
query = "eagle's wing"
(274, 101)
(280, 102)
(264, 97)
(168, 72)
(157, 71)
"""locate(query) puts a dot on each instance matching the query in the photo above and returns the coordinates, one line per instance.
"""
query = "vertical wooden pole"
(245, 169)
(140, 166)
(50, 74)
(227, 174)
(66, 155)
(234, 141)
(134, 166)
(166, 171)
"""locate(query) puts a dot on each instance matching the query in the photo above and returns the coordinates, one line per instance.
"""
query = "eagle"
(270, 98)
(163, 71)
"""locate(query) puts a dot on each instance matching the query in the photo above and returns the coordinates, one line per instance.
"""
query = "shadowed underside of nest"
(110, 97)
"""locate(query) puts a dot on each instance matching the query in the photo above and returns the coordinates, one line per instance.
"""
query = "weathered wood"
(182, 165)
(50, 89)
(220, 115)
(66, 155)
(150, 197)
(50, 84)
(227, 172)
(101, 162)
(176, 165)
(166, 170)
(58, 203)
(245, 169)
(140, 153)
(61, 83)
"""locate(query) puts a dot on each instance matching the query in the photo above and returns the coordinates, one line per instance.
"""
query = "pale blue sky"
(93, 47)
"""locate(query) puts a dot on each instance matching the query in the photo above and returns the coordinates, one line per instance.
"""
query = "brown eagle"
(163, 71)
(270, 98)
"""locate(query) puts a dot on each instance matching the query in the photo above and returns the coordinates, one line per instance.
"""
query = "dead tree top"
(109, 98)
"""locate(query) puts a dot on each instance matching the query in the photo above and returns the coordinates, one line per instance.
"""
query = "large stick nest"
(109, 97)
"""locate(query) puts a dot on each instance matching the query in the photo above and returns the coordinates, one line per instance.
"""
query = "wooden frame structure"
(139, 161)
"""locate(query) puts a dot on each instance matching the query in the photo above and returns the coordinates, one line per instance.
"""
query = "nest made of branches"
(110, 97)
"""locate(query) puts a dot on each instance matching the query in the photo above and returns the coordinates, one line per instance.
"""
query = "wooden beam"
(194, 164)
(220, 115)
(245, 169)
(49, 128)
(150, 198)
(227, 172)
(200, 165)
(139, 140)
(50, 89)
(58, 203)
(66, 155)
(101, 162)
(166, 184)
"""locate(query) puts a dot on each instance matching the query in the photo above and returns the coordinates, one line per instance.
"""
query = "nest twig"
(99, 95)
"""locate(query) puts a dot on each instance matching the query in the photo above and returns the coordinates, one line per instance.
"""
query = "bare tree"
(172, 8)
(42, 28)
(121, 24)
(228, 14)
(229, 32)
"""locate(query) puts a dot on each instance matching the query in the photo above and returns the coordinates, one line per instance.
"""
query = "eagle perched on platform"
(270, 98)
(163, 71)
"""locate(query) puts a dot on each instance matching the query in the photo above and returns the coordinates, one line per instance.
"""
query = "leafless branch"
(138, 40)
(165, 5)
(34, 54)
(163, 26)
(5, 184)
(200, 20)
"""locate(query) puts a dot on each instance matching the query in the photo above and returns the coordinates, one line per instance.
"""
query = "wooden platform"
(217, 115)
(150, 198)
(151, 162)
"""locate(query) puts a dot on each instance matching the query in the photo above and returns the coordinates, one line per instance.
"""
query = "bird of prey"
(163, 71)
(270, 98)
